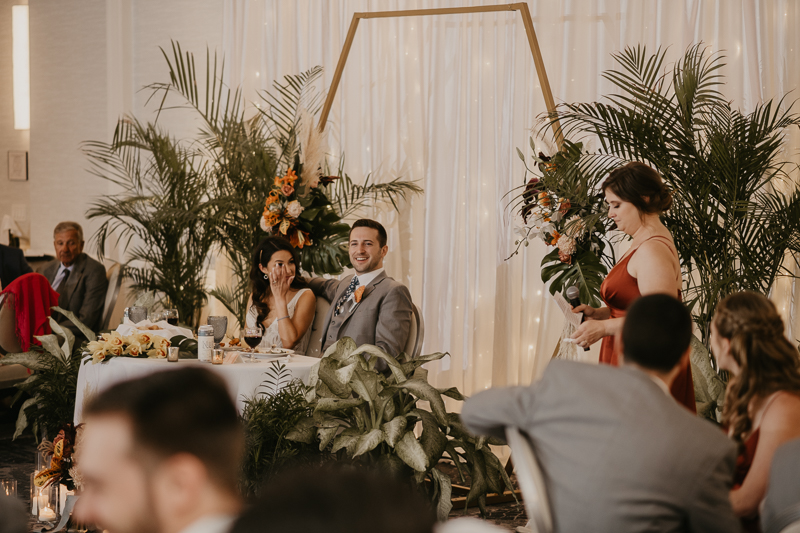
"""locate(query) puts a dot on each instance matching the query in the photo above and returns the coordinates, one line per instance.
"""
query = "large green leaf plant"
(736, 211)
(246, 145)
(52, 386)
(371, 417)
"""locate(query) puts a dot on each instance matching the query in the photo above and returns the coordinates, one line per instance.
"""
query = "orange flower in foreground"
(554, 237)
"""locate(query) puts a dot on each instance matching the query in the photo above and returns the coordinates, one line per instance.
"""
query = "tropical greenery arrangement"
(361, 415)
(52, 386)
(563, 208)
(736, 210)
(251, 170)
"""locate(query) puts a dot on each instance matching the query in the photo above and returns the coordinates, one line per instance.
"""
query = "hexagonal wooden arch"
(529, 31)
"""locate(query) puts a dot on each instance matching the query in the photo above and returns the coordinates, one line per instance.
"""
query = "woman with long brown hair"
(762, 404)
(280, 302)
(636, 197)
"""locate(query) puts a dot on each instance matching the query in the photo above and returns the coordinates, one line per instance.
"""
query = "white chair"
(531, 484)
(415, 335)
(315, 340)
(794, 527)
(114, 275)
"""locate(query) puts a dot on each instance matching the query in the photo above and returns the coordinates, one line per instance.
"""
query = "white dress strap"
(271, 334)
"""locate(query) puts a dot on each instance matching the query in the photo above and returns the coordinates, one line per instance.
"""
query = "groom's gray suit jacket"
(382, 317)
(618, 454)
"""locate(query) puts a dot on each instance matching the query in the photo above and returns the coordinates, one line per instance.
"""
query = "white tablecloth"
(242, 378)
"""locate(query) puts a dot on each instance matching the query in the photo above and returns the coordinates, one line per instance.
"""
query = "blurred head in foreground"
(337, 499)
(160, 453)
(656, 335)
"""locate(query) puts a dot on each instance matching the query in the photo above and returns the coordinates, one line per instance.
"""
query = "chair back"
(114, 275)
(415, 335)
(794, 527)
(317, 327)
(531, 482)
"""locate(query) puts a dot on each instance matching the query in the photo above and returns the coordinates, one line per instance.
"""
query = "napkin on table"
(165, 329)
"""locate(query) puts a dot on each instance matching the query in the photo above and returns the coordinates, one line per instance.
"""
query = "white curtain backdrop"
(446, 100)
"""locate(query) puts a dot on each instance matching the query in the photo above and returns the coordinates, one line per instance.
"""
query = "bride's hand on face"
(280, 282)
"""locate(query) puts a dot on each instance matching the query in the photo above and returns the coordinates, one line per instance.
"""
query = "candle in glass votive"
(47, 515)
(172, 354)
(217, 356)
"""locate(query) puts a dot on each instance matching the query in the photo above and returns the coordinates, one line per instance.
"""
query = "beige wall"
(12, 193)
(89, 58)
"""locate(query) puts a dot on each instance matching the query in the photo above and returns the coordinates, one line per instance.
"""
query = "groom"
(369, 307)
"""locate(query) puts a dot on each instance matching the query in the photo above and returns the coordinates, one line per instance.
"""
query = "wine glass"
(220, 325)
(171, 316)
(252, 337)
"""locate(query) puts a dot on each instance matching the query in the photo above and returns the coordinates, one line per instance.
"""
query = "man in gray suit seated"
(369, 307)
(617, 452)
(79, 280)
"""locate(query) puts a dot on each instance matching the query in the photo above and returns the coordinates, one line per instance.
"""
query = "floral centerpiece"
(137, 345)
(563, 207)
(62, 468)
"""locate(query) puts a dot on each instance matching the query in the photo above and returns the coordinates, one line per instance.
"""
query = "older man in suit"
(369, 306)
(79, 280)
(12, 265)
(617, 452)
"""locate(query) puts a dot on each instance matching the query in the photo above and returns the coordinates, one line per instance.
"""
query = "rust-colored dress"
(743, 463)
(618, 291)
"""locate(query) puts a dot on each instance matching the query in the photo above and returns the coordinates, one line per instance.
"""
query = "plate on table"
(266, 353)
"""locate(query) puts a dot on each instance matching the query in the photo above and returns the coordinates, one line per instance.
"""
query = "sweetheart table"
(243, 379)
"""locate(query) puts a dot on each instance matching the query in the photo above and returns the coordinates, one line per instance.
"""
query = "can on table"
(205, 343)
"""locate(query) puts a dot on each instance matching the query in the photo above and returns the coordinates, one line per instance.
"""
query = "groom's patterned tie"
(350, 289)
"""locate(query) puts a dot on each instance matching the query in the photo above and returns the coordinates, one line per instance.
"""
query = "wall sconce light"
(22, 67)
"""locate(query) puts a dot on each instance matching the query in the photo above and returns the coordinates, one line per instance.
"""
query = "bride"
(279, 302)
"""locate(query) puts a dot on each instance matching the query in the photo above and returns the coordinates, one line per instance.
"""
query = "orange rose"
(564, 207)
(287, 189)
(565, 258)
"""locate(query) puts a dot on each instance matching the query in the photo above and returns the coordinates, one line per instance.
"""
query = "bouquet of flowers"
(62, 468)
(139, 344)
(562, 207)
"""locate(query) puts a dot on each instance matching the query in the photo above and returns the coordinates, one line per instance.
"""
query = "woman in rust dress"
(636, 198)
(762, 403)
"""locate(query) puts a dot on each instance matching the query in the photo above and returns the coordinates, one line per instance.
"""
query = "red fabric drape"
(33, 298)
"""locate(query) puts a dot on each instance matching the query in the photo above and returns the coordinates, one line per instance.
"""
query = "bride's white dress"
(271, 335)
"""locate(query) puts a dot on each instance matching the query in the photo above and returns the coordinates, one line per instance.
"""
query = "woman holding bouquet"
(636, 198)
(280, 302)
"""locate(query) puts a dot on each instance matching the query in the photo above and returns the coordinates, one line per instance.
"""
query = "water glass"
(137, 314)
(220, 325)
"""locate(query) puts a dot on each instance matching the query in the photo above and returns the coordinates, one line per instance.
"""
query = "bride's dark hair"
(259, 286)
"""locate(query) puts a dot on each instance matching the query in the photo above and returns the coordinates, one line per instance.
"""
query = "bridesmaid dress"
(618, 291)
